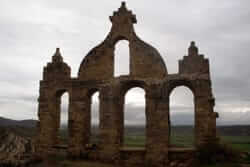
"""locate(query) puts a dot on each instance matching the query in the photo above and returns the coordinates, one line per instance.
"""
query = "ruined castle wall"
(147, 71)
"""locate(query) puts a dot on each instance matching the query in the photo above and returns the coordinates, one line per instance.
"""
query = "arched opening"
(95, 118)
(182, 117)
(134, 118)
(63, 116)
(121, 63)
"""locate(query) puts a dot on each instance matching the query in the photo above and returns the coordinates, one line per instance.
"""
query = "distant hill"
(5, 122)
(235, 130)
(28, 127)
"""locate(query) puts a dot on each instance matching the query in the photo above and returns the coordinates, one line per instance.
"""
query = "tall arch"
(182, 117)
(95, 118)
(134, 118)
(121, 58)
(61, 117)
(92, 114)
(145, 61)
(125, 88)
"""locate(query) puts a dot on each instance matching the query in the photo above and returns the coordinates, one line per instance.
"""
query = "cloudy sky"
(31, 30)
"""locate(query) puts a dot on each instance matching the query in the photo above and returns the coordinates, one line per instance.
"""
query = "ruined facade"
(147, 71)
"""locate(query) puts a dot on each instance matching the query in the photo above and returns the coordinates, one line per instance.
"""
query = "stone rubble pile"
(15, 151)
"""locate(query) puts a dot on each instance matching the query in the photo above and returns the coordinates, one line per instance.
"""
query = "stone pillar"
(212, 132)
(57, 119)
(109, 127)
(79, 127)
(54, 110)
(157, 135)
(120, 120)
(202, 120)
(212, 126)
(46, 136)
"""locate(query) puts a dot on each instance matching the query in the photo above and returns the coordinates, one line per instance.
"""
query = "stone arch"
(127, 117)
(59, 92)
(56, 112)
(189, 84)
(145, 60)
(121, 54)
(200, 90)
(130, 83)
(92, 91)
(125, 87)
(191, 126)
(89, 113)
(180, 82)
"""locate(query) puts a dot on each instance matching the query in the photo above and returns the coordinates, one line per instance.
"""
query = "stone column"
(120, 120)
(79, 127)
(202, 120)
(109, 127)
(47, 136)
(57, 119)
(205, 118)
(212, 126)
(212, 134)
(157, 131)
(54, 110)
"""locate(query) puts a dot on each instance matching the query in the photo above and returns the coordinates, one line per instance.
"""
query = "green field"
(179, 138)
(135, 141)
(240, 143)
(177, 141)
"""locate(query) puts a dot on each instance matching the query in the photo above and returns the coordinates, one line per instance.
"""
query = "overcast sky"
(31, 30)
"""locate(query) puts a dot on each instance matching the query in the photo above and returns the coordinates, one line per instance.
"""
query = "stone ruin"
(147, 71)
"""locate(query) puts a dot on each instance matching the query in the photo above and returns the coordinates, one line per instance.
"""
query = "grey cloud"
(29, 99)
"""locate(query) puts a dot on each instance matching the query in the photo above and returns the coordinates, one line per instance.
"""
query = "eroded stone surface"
(15, 150)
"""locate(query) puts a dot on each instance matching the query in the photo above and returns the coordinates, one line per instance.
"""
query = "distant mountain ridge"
(21, 127)
(5, 122)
